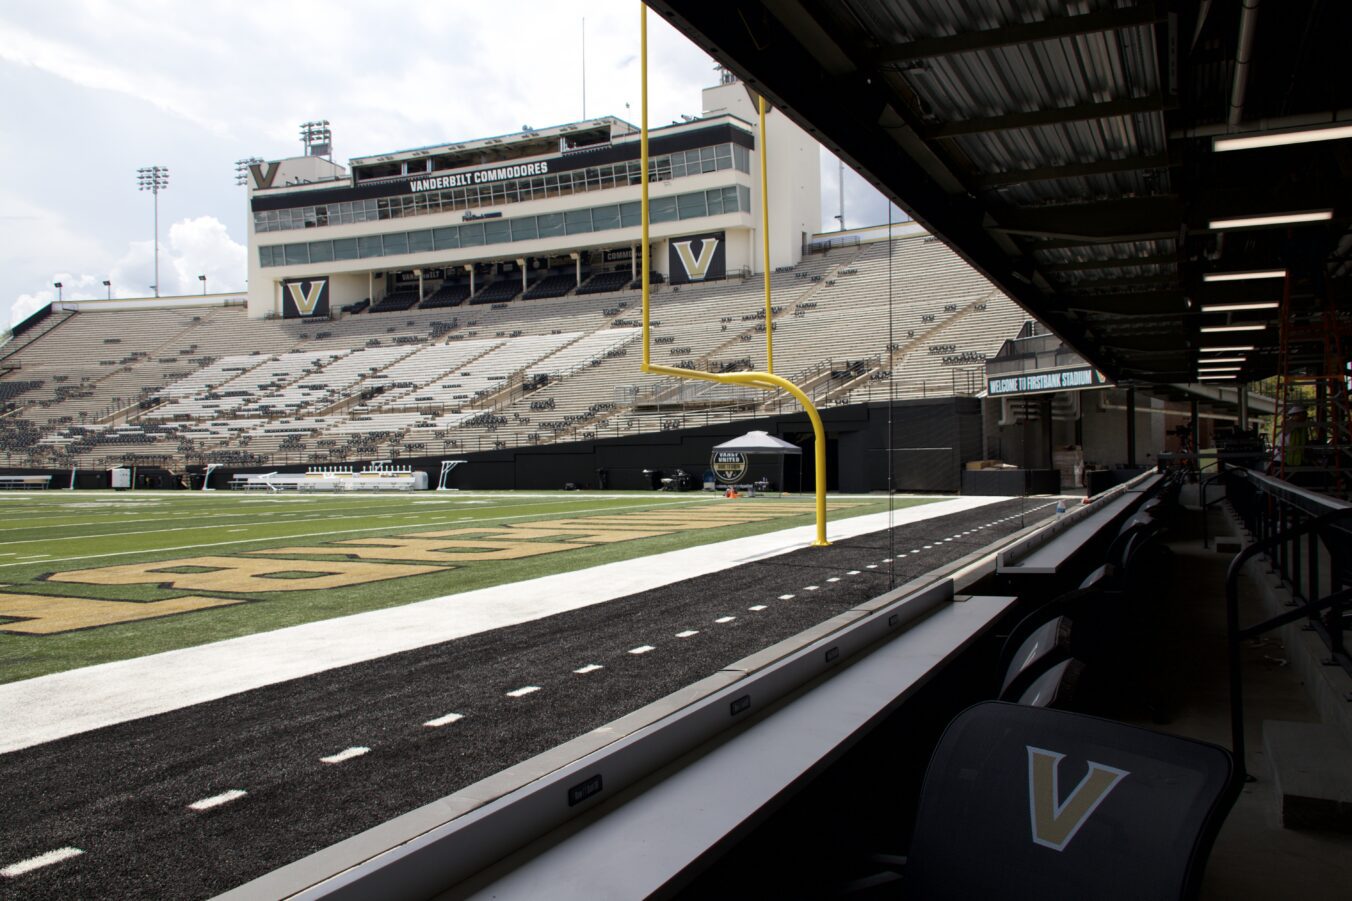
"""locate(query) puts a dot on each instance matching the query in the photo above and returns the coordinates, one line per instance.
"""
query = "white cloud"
(194, 247)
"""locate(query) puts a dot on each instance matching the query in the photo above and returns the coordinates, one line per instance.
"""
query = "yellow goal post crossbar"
(767, 381)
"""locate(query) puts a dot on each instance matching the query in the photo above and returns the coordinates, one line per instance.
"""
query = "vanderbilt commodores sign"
(304, 297)
(697, 258)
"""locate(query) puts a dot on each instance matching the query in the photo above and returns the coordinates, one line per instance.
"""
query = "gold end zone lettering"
(429, 549)
(39, 614)
(245, 574)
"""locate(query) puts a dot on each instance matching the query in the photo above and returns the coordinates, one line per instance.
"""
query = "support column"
(1243, 408)
(1050, 458)
(1194, 423)
(1131, 426)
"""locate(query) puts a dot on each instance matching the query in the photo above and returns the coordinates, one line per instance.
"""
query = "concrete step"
(1312, 774)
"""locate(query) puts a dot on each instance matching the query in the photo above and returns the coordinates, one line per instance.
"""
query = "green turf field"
(89, 577)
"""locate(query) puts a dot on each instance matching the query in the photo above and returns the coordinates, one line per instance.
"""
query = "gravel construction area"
(193, 802)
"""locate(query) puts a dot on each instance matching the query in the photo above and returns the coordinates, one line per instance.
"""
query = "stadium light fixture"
(1234, 328)
(242, 169)
(57, 286)
(154, 179)
(316, 138)
(1274, 219)
(203, 280)
(109, 286)
(1219, 369)
(1279, 139)
(1230, 348)
(1211, 360)
(1216, 376)
(1236, 307)
(1243, 276)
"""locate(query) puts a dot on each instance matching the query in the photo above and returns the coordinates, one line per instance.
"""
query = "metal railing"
(1307, 540)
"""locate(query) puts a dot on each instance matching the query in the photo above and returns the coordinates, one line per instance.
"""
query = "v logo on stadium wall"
(348, 562)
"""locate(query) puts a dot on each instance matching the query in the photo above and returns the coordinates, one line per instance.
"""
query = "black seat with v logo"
(1026, 802)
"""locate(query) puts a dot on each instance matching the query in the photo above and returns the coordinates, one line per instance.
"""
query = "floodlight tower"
(242, 169)
(316, 138)
(154, 179)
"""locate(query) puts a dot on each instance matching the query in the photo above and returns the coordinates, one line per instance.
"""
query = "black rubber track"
(121, 793)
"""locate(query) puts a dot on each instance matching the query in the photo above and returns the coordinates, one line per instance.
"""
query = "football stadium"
(565, 514)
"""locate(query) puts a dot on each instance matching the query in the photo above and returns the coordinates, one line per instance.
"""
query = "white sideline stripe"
(217, 800)
(345, 755)
(642, 649)
(444, 720)
(37, 863)
(523, 691)
(54, 706)
(687, 633)
(589, 668)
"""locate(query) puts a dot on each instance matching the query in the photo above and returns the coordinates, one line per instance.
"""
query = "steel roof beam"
(1069, 170)
(1108, 109)
(1022, 33)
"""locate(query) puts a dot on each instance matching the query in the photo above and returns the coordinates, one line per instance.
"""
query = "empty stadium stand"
(900, 319)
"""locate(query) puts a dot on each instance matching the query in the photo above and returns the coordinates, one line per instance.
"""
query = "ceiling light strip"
(1279, 139)
(1274, 219)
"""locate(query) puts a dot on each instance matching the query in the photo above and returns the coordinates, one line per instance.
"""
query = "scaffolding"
(1315, 450)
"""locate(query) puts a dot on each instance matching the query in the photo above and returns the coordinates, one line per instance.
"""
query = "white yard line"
(217, 800)
(345, 755)
(444, 720)
(37, 863)
(61, 704)
(303, 536)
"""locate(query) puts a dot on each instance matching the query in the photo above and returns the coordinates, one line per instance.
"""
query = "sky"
(95, 89)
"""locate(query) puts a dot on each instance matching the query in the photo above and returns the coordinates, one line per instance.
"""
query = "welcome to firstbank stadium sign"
(1076, 379)
(479, 177)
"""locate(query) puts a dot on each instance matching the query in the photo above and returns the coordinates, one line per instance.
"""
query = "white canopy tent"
(757, 442)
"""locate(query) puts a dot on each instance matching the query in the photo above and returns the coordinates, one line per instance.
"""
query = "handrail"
(1235, 634)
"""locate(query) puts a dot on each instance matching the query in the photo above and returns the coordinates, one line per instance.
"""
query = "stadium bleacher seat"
(498, 292)
(550, 286)
(604, 283)
(396, 301)
(448, 295)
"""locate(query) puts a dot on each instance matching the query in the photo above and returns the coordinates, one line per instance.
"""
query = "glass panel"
(524, 229)
(715, 200)
(577, 221)
(446, 238)
(551, 224)
(497, 232)
(321, 251)
(743, 198)
(723, 156)
(265, 256)
(605, 217)
(420, 241)
(691, 206)
(345, 248)
(297, 253)
(662, 209)
(471, 235)
(630, 214)
(396, 243)
(369, 246)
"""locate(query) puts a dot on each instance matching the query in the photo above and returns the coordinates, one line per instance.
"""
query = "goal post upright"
(767, 381)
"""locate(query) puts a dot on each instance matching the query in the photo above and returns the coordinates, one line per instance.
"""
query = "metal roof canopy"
(1069, 157)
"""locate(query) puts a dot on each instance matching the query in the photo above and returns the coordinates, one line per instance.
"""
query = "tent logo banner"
(697, 258)
(728, 466)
